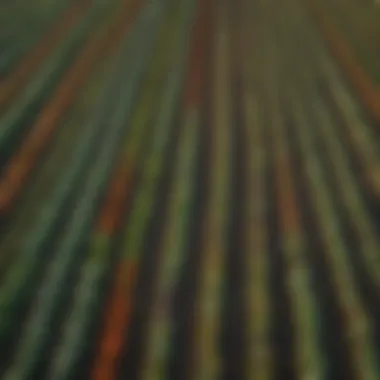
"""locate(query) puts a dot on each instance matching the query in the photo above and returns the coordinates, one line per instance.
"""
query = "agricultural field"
(189, 189)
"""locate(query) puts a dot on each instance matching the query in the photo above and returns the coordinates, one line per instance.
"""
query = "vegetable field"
(189, 189)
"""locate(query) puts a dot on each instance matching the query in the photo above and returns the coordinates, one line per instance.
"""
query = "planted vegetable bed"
(189, 189)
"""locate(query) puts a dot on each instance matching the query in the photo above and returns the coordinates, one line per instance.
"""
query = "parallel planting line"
(260, 356)
(49, 173)
(349, 191)
(189, 189)
(161, 326)
(341, 50)
(207, 327)
(260, 353)
(119, 304)
(308, 358)
(17, 283)
(24, 160)
(358, 327)
(14, 81)
(47, 300)
(24, 27)
(111, 214)
(361, 134)
(15, 122)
